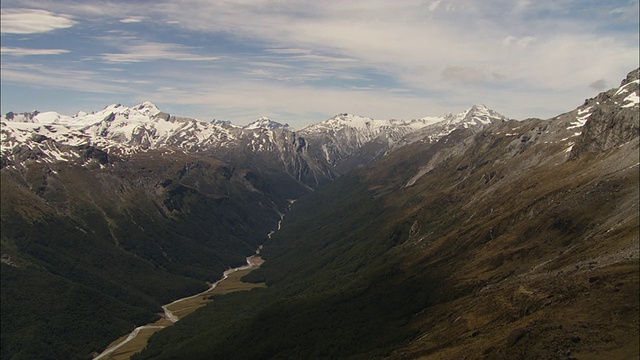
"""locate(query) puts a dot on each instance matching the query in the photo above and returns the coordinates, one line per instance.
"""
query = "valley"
(468, 235)
(508, 242)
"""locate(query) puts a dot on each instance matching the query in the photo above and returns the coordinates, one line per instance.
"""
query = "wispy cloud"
(522, 42)
(627, 12)
(141, 51)
(130, 20)
(14, 51)
(31, 21)
(509, 38)
(42, 76)
(288, 51)
(434, 5)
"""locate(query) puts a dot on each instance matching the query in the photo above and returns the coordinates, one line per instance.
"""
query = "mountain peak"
(147, 108)
(631, 77)
(479, 107)
(348, 117)
(478, 114)
(349, 120)
(226, 123)
(21, 117)
(265, 123)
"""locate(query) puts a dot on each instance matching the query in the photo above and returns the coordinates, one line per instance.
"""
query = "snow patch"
(623, 89)
(584, 111)
(580, 120)
(632, 100)
(568, 149)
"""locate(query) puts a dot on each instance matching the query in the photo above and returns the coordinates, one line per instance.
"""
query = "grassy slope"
(546, 252)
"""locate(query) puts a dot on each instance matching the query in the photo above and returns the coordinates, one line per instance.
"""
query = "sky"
(301, 62)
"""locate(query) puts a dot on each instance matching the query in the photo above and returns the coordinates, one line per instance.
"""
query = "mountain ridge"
(129, 118)
(313, 155)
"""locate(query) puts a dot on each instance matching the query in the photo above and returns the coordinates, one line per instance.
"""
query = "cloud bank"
(300, 60)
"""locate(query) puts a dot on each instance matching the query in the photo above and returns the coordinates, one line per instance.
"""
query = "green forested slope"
(332, 288)
(91, 252)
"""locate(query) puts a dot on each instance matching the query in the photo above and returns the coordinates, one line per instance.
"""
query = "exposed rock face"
(614, 120)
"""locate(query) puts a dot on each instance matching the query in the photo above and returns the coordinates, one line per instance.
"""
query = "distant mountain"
(475, 118)
(349, 141)
(311, 156)
(265, 123)
(120, 131)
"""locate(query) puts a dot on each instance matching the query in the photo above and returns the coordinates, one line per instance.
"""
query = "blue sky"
(301, 62)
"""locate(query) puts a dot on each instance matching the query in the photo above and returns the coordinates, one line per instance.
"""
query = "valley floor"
(132, 343)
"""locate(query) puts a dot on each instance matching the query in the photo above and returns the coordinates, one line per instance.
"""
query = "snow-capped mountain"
(360, 130)
(598, 124)
(475, 118)
(315, 150)
(346, 136)
(323, 150)
(116, 128)
(265, 123)
(313, 155)
(119, 130)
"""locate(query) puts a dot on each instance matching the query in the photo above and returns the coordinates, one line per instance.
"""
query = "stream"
(252, 262)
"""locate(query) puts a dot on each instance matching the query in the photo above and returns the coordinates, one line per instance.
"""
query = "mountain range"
(122, 130)
(467, 235)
